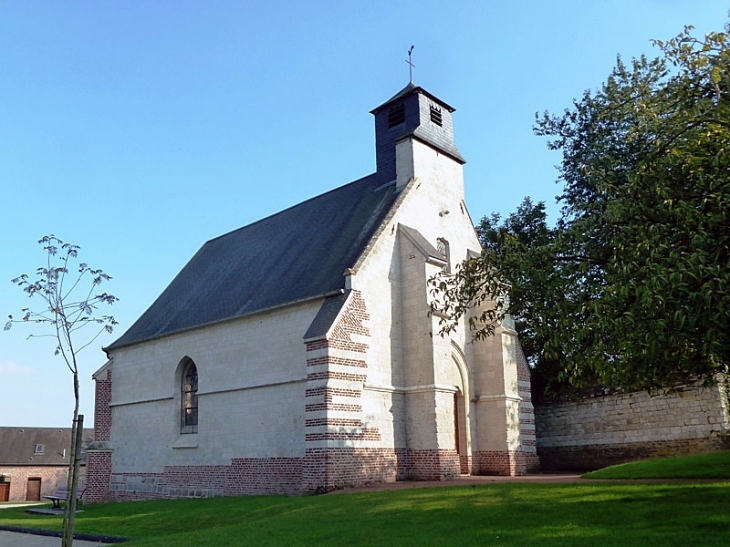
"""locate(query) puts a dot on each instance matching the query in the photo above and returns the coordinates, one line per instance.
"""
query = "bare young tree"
(70, 312)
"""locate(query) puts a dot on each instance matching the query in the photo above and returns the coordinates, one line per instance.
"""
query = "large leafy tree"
(632, 287)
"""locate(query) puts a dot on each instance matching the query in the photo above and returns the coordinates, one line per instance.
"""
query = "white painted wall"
(251, 378)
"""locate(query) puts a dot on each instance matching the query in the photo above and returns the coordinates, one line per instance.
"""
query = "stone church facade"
(296, 355)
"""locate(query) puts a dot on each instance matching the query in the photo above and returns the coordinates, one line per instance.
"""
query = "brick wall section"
(102, 410)
(433, 465)
(248, 476)
(506, 463)
(52, 477)
(613, 429)
(465, 464)
(99, 464)
(330, 469)
(337, 368)
(244, 477)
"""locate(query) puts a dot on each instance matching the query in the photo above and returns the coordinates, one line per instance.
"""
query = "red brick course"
(505, 463)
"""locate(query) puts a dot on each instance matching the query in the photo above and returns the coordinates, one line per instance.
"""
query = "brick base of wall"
(505, 463)
(465, 464)
(245, 476)
(322, 470)
(251, 476)
(590, 457)
(327, 469)
(433, 465)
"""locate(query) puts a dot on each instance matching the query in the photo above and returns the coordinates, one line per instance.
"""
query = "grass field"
(586, 514)
(705, 466)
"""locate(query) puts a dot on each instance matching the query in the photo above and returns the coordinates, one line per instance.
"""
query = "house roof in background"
(18, 445)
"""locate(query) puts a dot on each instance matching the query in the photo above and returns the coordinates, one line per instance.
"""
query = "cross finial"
(411, 65)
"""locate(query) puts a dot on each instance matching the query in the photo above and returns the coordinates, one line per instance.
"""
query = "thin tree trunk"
(77, 430)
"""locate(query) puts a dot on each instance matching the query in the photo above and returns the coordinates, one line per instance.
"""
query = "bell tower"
(412, 112)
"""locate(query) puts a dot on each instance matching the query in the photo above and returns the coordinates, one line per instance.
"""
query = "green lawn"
(597, 514)
(705, 466)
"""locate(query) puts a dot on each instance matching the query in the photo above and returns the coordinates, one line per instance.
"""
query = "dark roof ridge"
(413, 88)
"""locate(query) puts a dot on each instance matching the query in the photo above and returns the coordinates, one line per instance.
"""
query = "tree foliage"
(631, 288)
(515, 247)
(70, 309)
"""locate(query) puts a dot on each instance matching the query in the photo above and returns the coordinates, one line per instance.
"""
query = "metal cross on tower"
(411, 65)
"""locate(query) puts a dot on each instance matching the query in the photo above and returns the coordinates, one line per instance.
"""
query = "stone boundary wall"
(613, 429)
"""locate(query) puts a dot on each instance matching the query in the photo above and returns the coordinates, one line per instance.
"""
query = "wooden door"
(4, 491)
(33, 493)
(457, 433)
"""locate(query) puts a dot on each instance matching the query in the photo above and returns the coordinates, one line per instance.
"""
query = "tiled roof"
(18, 445)
(299, 253)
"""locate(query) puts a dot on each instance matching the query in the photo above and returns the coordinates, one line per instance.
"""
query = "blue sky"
(139, 130)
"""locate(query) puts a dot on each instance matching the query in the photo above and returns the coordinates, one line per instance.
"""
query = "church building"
(297, 355)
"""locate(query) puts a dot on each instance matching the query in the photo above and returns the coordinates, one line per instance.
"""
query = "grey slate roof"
(407, 90)
(299, 253)
(17, 445)
(326, 316)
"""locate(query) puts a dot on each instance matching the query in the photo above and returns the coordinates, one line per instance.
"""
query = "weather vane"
(411, 65)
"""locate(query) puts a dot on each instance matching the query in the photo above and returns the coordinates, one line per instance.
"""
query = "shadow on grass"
(507, 514)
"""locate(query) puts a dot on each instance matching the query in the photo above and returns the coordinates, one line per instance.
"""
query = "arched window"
(189, 399)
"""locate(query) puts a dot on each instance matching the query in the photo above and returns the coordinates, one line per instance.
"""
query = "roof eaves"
(226, 320)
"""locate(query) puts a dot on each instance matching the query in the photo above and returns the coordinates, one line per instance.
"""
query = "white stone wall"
(410, 366)
(243, 367)
(406, 355)
(609, 429)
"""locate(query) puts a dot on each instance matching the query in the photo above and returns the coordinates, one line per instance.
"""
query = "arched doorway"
(459, 378)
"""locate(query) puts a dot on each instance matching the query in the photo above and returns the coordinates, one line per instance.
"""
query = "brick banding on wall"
(330, 375)
(334, 422)
(321, 463)
(314, 407)
(328, 392)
